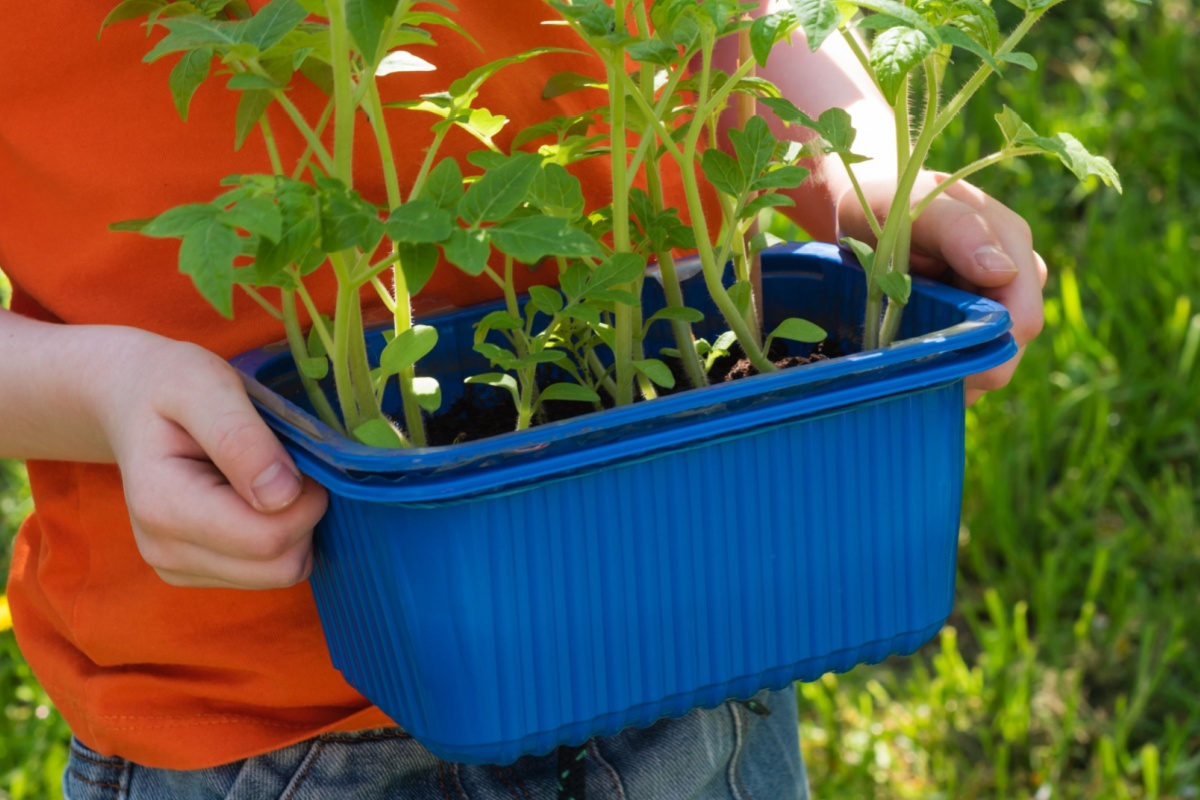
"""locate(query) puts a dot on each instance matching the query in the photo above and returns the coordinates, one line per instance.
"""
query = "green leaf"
(428, 393)
(653, 51)
(786, 177)
(444, 184)
(130, 225)
(542, 357)
(195, 31)
(1064, 146)
(678, 314)
(819, 18)
(787, 111)
(466, 87)
(484, 124)
(755, 146)
(250, 109)
(546, 299)
(902, 12)
(766, 31)
(487, 159)
(207, 255)
(500, 190)
(953, 36)
(258, 215)
(894, 53)
(530, 239)
(407, 348)
(766, 201)
(863, 251)
(761, 241)
(656, 371)
(299, 227)
(496, 320)
(346, 219)
(618, 269)
(614, 296)
(588, 315)
(417, 262)
(568, 391)
(244, 81)
(724, 172)
(314, 342)
(505, 359)
(562, 83)
(186, 77)
(468, 250)
(723, 343)
(741, 293)
(1077, 158)
(367, 20)
(1021, 60)
(896, 285)
(131, 9)
(558, 192)
(799, 330)
(417, 221)
(835, 127)
(178, 221)
(498, 380)
(315, 367)
(273, 21)
(1015, 129)
(574, 281)
(378, 433)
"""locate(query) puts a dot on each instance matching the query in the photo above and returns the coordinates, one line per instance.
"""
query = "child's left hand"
(974, 242)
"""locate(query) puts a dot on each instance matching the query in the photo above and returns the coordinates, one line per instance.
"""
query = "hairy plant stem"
(712, 270)
(401, 307)
(897, 228)
(526, 377)
(263, 302)
(956, 103)
(622, 313)
(288, 313)
(343, 94)
(315, 145)
(969, 170)
(299, 347)
(747, 108)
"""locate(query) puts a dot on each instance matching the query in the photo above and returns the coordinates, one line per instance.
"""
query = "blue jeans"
(730, 752)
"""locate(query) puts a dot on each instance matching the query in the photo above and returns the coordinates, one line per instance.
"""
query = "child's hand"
(974, 242)
(214, 499)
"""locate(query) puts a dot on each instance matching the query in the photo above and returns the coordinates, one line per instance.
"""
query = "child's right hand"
(214, 499)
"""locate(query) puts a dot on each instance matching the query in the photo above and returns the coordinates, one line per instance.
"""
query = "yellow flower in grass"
(5, 616)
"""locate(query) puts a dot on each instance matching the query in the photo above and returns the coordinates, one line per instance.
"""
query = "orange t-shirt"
(165, 676)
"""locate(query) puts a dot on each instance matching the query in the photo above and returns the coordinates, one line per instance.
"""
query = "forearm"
(830, 78)
(51, 380)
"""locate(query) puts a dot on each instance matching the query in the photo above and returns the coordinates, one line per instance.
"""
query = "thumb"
(237, 441)
(954, 234)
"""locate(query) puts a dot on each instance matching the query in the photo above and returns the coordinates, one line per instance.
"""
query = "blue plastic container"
(502, 597)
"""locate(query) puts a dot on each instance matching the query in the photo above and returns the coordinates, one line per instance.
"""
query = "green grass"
(1070, 668)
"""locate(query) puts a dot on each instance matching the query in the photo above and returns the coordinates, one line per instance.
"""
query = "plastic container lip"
(505, 476)
(983, 321)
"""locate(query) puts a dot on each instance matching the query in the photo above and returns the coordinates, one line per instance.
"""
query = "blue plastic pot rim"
(427, 490)
(959, 350)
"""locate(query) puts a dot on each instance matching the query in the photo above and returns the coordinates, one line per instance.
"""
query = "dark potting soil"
(483, 411)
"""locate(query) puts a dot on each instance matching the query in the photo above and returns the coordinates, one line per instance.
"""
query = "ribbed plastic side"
(501, 626)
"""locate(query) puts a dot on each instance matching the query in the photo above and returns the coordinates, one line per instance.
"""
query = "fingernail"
(275, 487)
(992, 259)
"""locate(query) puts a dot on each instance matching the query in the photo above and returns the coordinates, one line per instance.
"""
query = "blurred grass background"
(1069, 669)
